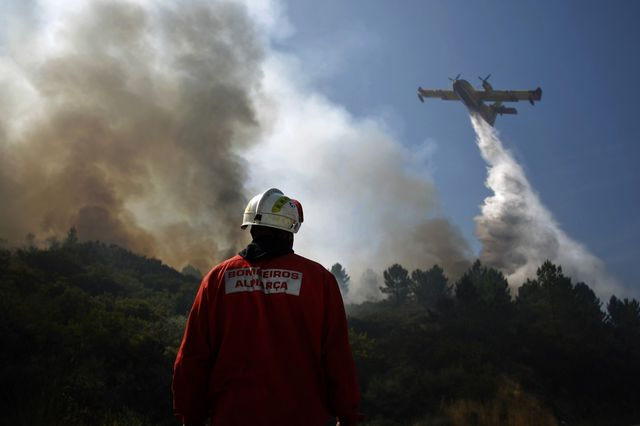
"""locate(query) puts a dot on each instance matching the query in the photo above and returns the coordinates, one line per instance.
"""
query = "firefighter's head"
(272, 209)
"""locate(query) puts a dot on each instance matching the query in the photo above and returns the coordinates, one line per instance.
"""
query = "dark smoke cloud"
(136, 120)
(440, 242)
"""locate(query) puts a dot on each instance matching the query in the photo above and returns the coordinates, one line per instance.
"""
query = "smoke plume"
(150, 124)
(131, 131)
(368, 202)
(518, 233)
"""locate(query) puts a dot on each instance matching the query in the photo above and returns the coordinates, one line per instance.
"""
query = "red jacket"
(266, 343)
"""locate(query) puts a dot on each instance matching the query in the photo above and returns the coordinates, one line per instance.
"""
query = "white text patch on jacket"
(268, 281)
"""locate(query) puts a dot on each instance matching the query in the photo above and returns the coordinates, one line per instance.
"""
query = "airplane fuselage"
(467, 94)
(472, 101)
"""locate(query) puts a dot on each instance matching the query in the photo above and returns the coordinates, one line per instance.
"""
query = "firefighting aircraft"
(474, 99)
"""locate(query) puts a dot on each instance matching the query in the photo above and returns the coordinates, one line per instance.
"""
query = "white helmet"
(275, 210)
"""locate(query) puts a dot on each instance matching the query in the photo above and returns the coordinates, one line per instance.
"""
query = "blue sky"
(579, 145)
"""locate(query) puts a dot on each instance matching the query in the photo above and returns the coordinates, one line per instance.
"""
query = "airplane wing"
(447, 95)
(511, 95)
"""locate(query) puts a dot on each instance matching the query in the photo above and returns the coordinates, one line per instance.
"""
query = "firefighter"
(266, 341)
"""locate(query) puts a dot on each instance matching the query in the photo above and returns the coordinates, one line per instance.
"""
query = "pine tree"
(429, 287)
(342, 277)
(396, 284)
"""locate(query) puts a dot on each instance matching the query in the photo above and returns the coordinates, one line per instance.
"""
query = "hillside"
(90, 332)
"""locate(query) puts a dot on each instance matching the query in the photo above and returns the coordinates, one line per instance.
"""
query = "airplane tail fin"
(420, 94)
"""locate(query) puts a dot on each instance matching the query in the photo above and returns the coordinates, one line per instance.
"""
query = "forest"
(90, 332)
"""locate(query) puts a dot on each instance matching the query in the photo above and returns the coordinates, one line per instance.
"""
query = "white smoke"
(366, 203)
(516, 230)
